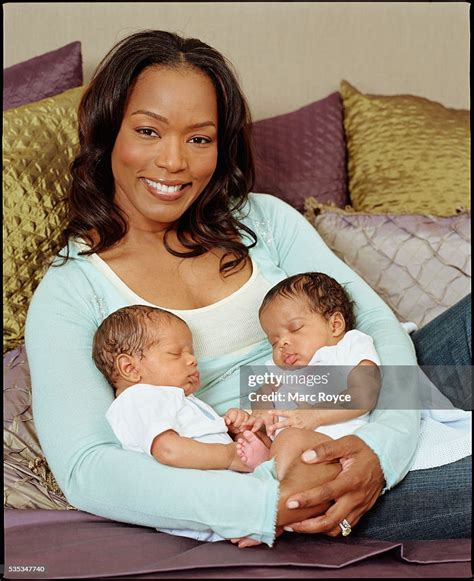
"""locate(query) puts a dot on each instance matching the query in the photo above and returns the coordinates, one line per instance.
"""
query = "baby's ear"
(127, 368)
(337, 323)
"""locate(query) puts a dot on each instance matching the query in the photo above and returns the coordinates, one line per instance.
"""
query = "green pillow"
(39, 144)
(406, 154)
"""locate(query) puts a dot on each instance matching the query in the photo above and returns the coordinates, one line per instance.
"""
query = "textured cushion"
(28, 482)
(39, 144)
(42, 76)
(303, 154)
(419, 265)
(406, 154)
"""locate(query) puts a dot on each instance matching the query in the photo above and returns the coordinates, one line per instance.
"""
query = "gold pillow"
(406, 154)
(39, 144)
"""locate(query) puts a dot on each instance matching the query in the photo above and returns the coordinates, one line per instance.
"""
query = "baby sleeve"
(141, 413)
(356, 347)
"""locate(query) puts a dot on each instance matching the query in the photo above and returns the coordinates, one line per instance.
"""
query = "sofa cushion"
(28, 481)
(302, 154)
(406, 154)
(419, 265)
(39, 144)
(43, 76)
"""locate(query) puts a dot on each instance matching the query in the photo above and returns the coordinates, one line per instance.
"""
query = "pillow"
(28, 482)
(419, 265)
(42, 76)
(303, 154)
(39, 144)
(406, 154)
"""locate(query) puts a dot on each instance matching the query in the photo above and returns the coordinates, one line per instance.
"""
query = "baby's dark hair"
(323, 294)
(127, 330)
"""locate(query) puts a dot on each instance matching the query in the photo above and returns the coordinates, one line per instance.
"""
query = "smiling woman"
(161, 214)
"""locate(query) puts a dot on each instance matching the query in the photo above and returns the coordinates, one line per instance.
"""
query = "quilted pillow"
(28, 481)
(419, 265)
(303, 154)
(407, 155)
(43, 76)
(39, 144)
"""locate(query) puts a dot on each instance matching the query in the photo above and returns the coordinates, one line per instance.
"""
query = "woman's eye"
(146, 131)
(200, 140)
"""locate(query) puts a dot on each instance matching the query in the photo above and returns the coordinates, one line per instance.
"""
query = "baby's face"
(294, 331)
(171, 361)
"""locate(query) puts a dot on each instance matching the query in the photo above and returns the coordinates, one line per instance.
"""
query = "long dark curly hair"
(211, 221)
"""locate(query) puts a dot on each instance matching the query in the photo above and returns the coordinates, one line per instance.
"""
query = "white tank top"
(226, 326)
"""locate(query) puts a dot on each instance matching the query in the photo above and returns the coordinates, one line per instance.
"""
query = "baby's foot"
(244, 542)
(251, 450)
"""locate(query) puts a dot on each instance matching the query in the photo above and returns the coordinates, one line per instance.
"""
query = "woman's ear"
(337, 324)
(127, 368)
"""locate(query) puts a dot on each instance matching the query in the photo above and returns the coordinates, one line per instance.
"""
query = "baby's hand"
(234, 419)
(294, 419)
(258, 420)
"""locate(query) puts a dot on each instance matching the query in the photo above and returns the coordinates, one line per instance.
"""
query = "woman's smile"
(165, 192)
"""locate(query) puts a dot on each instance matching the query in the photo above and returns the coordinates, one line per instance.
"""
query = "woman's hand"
(354, 490)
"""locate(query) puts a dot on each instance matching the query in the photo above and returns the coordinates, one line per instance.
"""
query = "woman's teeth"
(163, 188)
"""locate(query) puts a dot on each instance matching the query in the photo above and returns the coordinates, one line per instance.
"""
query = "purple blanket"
(74, 544)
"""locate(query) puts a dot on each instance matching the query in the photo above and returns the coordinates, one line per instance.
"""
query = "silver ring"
(345, 528)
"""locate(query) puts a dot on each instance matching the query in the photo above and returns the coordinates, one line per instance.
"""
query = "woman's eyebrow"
(165, 120)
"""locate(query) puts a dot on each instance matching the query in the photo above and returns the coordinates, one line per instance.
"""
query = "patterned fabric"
(43, 76)
(419, 265)
(39, 144)
(28, 481)
(303, 154)
(407, 155)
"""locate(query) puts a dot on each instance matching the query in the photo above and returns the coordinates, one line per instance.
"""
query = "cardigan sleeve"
(297, 247)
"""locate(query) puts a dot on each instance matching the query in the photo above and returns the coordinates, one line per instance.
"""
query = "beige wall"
(287, 54)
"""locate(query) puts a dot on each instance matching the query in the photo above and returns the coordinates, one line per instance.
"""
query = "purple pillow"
(303, 154)
(43, 76)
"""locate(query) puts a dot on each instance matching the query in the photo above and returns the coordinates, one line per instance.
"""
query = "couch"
(385, 181)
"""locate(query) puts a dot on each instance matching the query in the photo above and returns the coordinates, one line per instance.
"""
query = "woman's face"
(166, 150)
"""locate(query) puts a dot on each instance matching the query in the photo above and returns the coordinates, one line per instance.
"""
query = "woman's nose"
(171, 155)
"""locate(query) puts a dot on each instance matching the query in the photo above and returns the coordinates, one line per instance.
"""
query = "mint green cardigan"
(70, 397)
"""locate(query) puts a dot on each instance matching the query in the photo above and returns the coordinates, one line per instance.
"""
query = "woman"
(160, 214)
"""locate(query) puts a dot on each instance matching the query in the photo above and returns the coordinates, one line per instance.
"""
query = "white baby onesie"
(142, 412)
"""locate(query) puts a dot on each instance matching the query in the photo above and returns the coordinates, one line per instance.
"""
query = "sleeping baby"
(309, 320)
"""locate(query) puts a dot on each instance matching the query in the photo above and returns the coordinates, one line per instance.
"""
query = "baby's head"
(141, 344)
(303, 313)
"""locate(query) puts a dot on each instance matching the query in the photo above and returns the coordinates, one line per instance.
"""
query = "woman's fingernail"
(289, 529)
(293, 504)
(309, 455)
